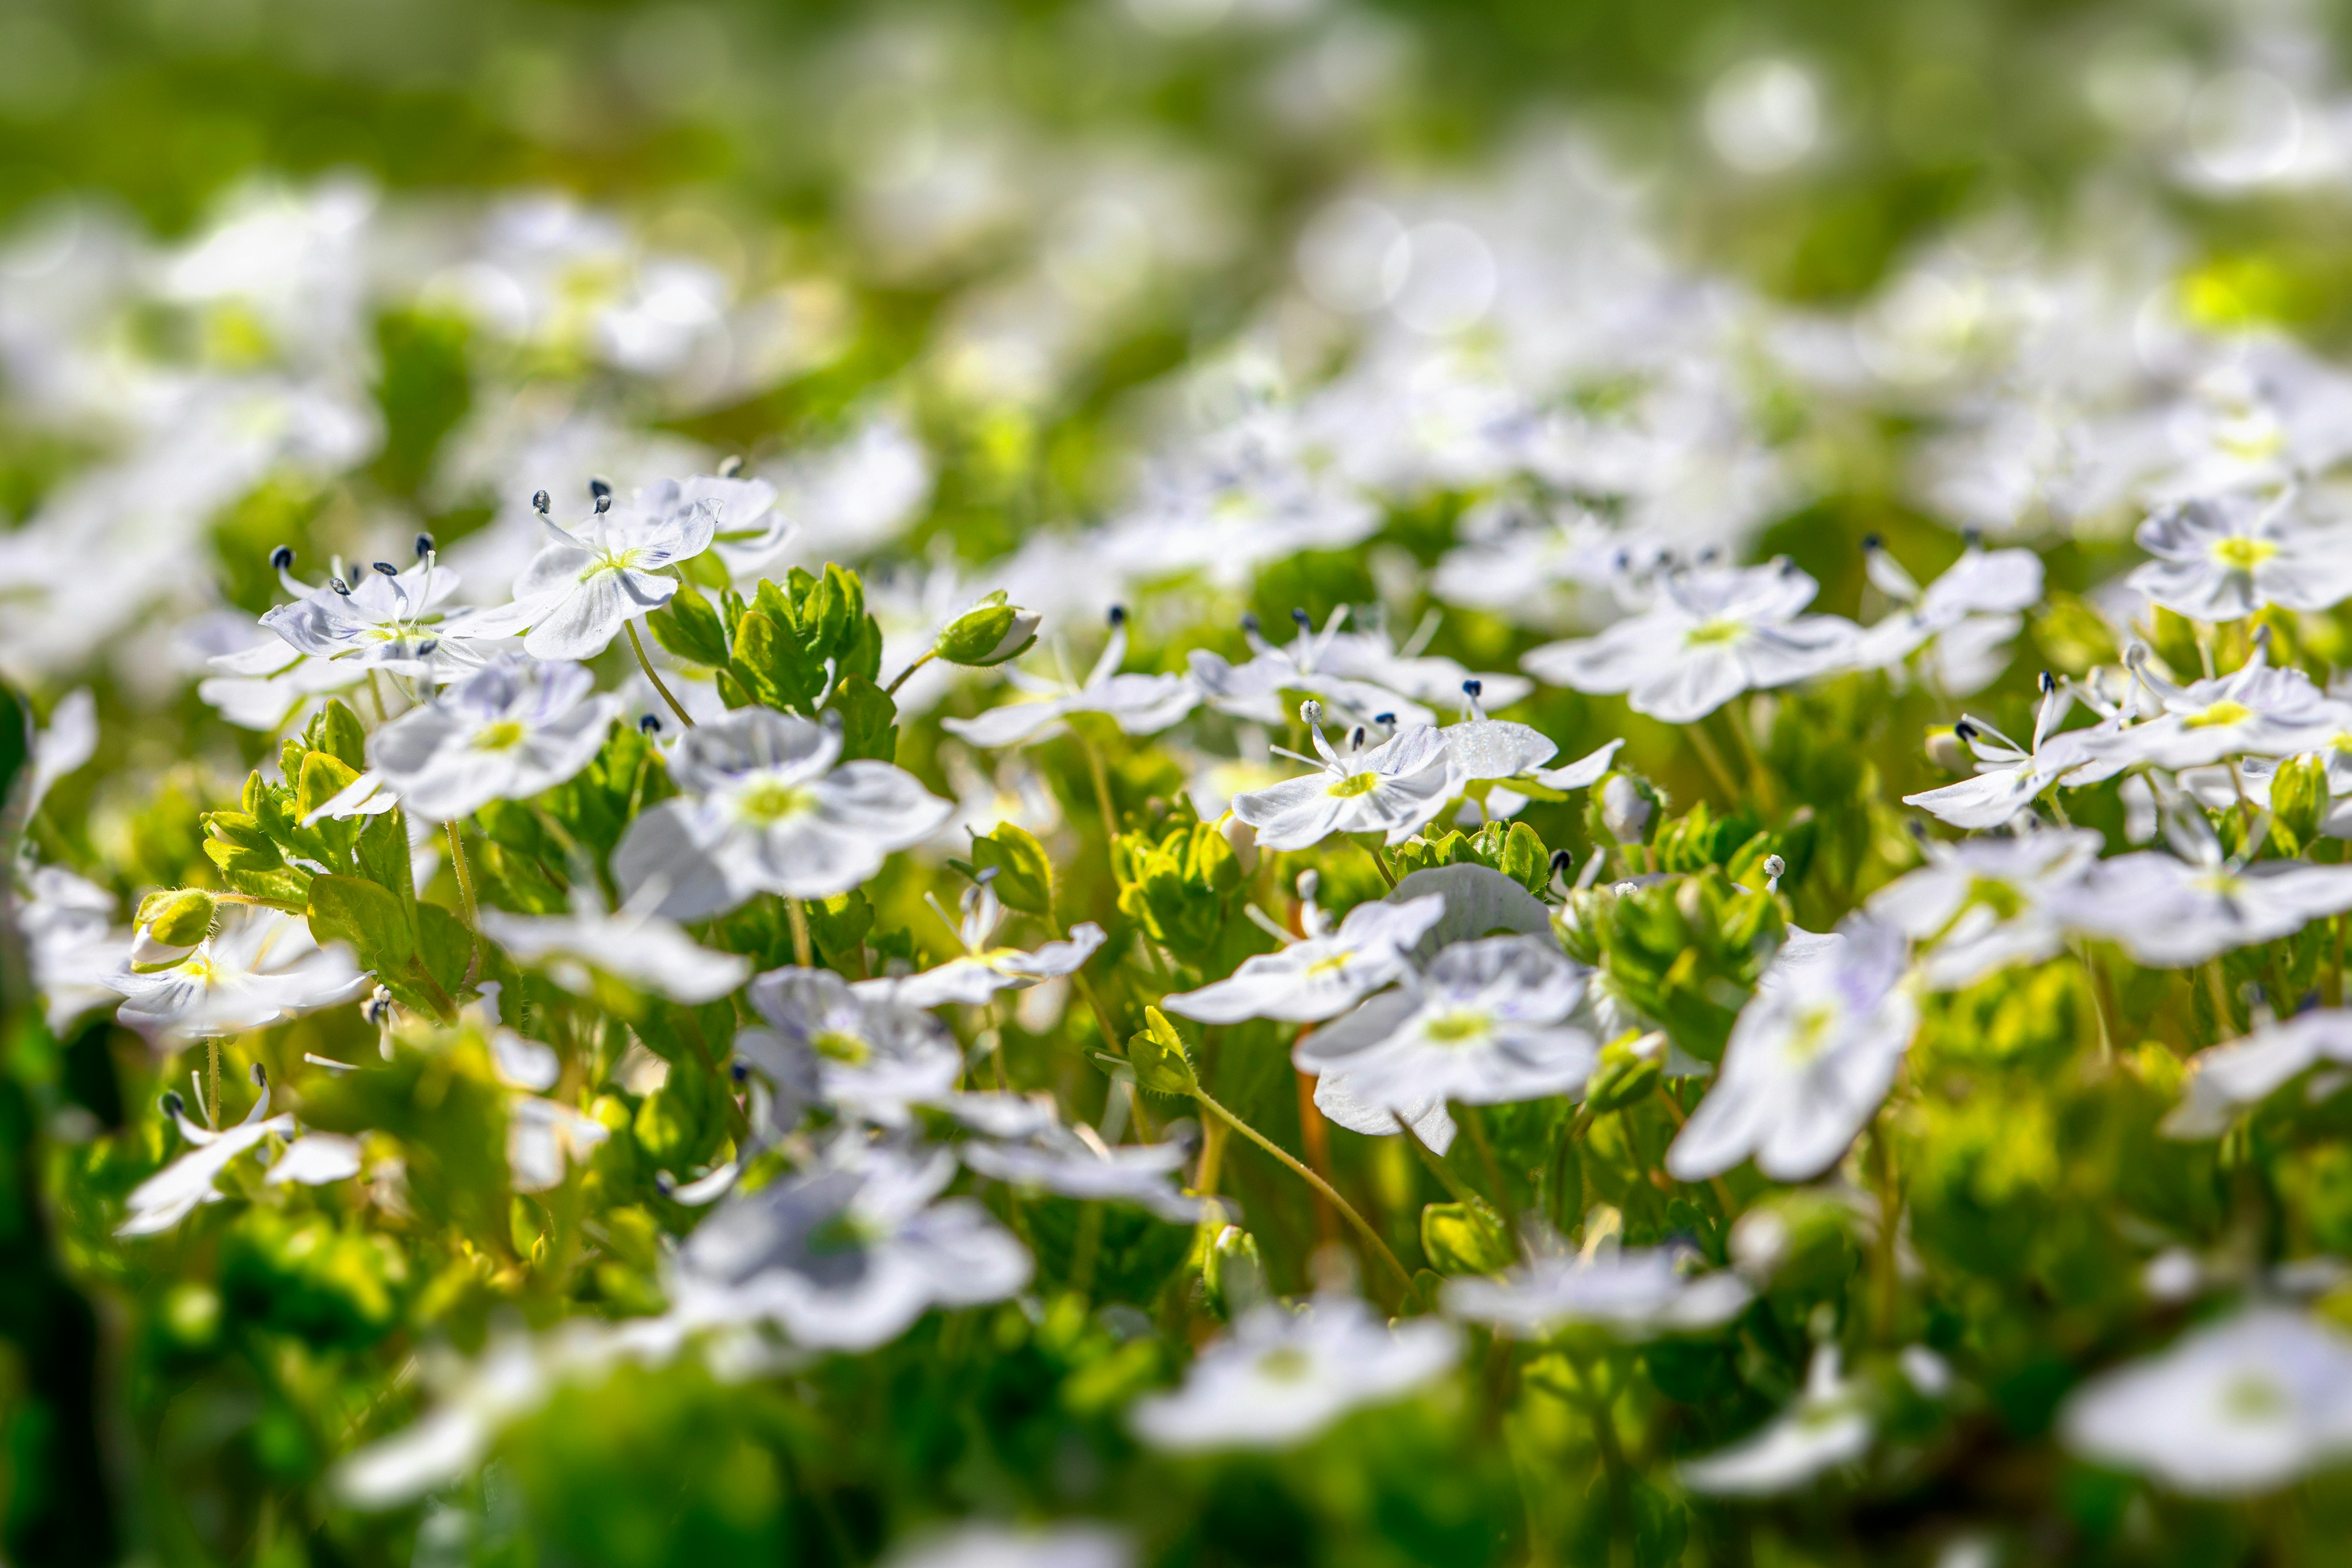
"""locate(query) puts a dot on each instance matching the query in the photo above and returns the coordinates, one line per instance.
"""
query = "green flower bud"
(1465, 1238)
(988, 633)
(2299, 801)
(1158, 1056)
(178, 917)
(1627, 1073)
(1233, 1273)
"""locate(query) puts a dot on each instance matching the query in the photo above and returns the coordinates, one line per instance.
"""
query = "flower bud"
(1626, 808)
(1160, 1060)
(1948, 751)
(988, 633)
(180, 917)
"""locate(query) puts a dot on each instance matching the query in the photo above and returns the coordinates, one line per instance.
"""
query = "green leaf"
(1464, 1238)
(868, 720)
(690, 628)
(445, 947)
(352, 910)
(771, 664)
(838, 925)
(1158, 1053)
(336, 732)
(1524, 859)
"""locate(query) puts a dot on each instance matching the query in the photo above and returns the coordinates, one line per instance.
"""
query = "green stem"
(466, 901)
(1474, 1119)
(1330, 1195)
(647, 665)
(1379, 861)
(1102, 784)
(892, 689)
(1456, 1187)
(803, 950)
(1712, 760)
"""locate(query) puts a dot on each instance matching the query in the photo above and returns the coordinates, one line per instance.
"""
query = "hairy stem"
(901, 678)
(1330, 1194)
(466, 901)
(647, 665)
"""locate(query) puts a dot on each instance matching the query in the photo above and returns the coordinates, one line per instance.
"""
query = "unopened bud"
(180, 917)
(989, 632)
(1626, 809)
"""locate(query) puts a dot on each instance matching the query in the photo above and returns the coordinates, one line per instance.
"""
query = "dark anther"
(730, 466)
(1473, 689)
(664, 1184)
(649, 725)
(1871, 541)
(1299, 615)
(1965, 730)
(339, 585)
(282, 558)
(2049, 683)
(386, 568)
(1560, 861)
(740, 1072)
(599, 486)
(423, 546)
(1972, 537)
(1119, 614)
(172, 1104)
(604, 503)
(540, 502)
(1388, 719)
(1355, 741)
(260, 1076)
(1249, 620)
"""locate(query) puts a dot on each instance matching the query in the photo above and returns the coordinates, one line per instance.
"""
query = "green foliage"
(1685, 951)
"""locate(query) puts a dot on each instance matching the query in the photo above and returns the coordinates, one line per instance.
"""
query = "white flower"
(998, 1546)
(1484, 1024)
(2246, 1406)
(1392, 787)
(1967, 614)
(981, 970)
(72, 944)
(1322, 975)
(257, 967)
(848, 1255)
(2010, 778)
(579, 590)
(506, 732)
(1360, 675)
(316, 1159)
(644, 952)
(1811, 1057)
(2257, 710)
(384, 616)
(869, 1055)
(1076, 1163)
(1710, 635)
(2224, 557)
(1228, 507)
(1635, 1294)
(1515, 560)
(69, 741)
(1279, 1377)
(2170, 914)
(767, 812)
(2231, 1076)
(1827, 1427)
(1142, 705)
(747, 529)
(1985, 901)
(172, 1193)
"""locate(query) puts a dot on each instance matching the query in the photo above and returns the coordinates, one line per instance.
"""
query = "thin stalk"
(1330, 1194)
(1089, 1246)
(1212, 1157)
(1749, 752)
(1474, 1118)
(647, 665)
(803, 950)
(2102, 1004)
(900, 679)
(1379, 861)
(2218, 987)
(1715, 1183)
(1102, 784)
(375, 691)
(212, 1064)
(1890, 1212)
(1713, 759)
(466, 901)
(1455, 1185)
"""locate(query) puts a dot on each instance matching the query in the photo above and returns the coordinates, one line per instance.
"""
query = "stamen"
(604, 503)
(386, 568)
(1119, 614)
(730, 466)
(541, 502)
(1965, 730)
(339, 586)
(1311, 712)
(423, 546)
(1300, 616)
(259, 1075)
(648, 724)
(1309, 881)
(1356, 738)
(171, 1105)
(1249, 620)
(282, 558)
(739, 1070)
(2049, 683)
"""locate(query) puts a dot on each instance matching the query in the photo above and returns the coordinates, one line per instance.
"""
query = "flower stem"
(466, 900)
(1712, 760)
(1379, 860)
(900, 679)
(211, 1061)
(1474, 1119)
(647, 665)
(1890, 1212)
(1330, 1194)
(1456, 1187)
(1102, 784)
(803, 950)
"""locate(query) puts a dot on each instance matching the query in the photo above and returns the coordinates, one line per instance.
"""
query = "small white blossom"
(1360, 675)
(1810, 1057)
(869, 1055)
(2010, 777)
(642, 951)
(1986, 903)
(383, 617)
(1828, 1426)
(1076, 1163)
(998, 1546)
(2241, 1074)
(583, 587)
(1392, 787)
(2258, 710)
(176, 1191)
(766, 811)
(316, 1159)
(847, 1255)
(2169, 914)
(1279, 1377)
(2241, 1407)
(1487, 1023)
(507, 732)
(1710, 635)
(2224, 557)
(1142, 705)
(1322, 975)
(1637, 1293)
(72, 944)
(983, 969)
(257, 967)
(1964, 619)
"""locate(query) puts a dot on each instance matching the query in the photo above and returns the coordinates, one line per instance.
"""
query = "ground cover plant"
(1176, 784)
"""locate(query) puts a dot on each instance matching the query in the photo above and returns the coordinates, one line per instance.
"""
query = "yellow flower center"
(840, 1045)
(1356, 784)
(767, 802)
(2225, 712)
(504, 735)
(1286, 1364)
(1708, 633)
(1457, 1027)
(2239, 553)
(1811, 1036)
(2251, 1397)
